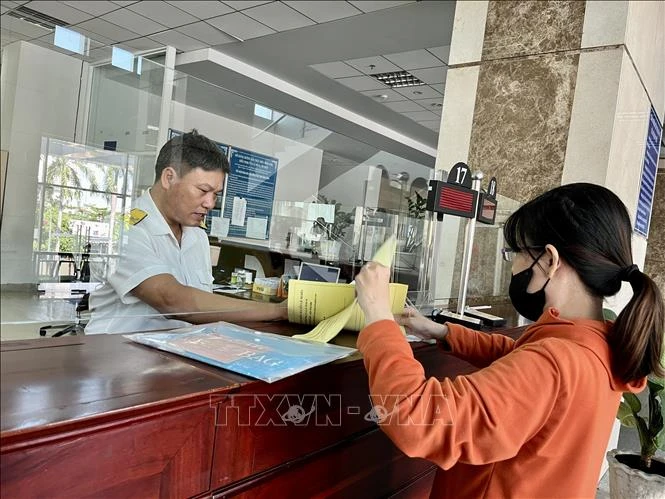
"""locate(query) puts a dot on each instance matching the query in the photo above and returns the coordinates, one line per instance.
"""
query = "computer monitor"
(320, 273)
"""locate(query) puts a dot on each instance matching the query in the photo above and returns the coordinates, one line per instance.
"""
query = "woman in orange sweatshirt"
(535, 420)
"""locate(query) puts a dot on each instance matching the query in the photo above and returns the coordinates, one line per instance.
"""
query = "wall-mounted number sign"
(487, 206)
(454, 197)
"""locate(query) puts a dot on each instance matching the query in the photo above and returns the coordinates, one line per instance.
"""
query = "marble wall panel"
(517, 28)
(521, 121)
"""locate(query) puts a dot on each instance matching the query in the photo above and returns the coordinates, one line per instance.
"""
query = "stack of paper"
(333, 307)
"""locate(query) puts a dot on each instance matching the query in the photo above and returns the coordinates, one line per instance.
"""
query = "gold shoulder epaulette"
(136, 215)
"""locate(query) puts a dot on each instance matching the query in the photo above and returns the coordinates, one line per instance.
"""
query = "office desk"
(100, 415)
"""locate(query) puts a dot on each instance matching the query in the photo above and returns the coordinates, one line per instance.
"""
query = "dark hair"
(590, 228)
(188, 151)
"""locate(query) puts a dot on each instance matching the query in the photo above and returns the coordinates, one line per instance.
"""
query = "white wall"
(299, 164)
(43, 86)
(348, 188)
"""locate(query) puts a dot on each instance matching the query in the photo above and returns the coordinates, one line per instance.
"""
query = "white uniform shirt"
(151, 249)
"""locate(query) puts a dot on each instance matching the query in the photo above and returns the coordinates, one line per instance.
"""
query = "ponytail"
(636, 340)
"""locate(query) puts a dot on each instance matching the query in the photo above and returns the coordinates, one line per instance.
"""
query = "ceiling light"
(381, 97)
(36, 18)
(398, 79)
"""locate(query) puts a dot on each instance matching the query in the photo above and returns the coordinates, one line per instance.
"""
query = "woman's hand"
(373, 292)
(417, 324)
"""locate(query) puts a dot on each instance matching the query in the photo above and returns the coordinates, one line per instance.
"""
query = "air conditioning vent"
(37, 18)
(398, 79)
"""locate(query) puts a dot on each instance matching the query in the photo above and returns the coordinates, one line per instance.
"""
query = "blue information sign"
(250, 190)
(648, 180)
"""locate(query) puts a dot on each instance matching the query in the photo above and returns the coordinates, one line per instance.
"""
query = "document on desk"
(269, 357)
(333, 307)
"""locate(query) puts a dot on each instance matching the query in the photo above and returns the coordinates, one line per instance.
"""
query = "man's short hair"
(188, 151)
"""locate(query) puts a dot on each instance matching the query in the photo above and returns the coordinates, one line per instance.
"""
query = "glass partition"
(297, 192)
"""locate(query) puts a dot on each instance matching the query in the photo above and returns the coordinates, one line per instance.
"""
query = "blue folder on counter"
(266, 356)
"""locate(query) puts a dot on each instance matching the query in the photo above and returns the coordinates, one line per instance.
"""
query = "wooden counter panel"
(328, 404)
(88, 377)
(168, 455)
(367, 466)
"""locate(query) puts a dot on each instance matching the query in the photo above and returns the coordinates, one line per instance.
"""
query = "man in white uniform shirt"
(164, 278)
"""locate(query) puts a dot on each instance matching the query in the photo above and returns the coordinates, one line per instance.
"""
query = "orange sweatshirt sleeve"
(475, 347)
(476, 419)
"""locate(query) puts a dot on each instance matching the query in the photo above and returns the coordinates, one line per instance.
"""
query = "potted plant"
(643, 475)
(411, 232)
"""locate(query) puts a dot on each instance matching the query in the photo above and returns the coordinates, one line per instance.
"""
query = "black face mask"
(529, 305)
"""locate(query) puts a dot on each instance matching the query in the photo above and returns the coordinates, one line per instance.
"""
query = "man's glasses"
(508, 254)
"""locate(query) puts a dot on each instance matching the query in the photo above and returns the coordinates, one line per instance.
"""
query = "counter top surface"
(52, 381)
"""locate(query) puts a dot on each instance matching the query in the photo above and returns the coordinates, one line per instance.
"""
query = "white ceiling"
(325, 47)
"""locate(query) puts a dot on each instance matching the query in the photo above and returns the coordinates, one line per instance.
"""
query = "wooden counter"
(101, 415)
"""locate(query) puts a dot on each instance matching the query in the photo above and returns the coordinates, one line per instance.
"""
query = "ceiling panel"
(133, 22)
(178, 40)
(421, 115)
(100, 53)
(373, 65)
(337, 69)
(383, 95)
(442, 53)
(432, 125)
(203, 9)
(92, 36)
(23, 28)
(107, 30)
(367, 6)
(124, 3)
(60, 11)
(240, 26)
(243, 5)
(278, 16)
(206, 33)
(414, 59)
(419, 92)
(404, 106)
(431, 104)
(163, 13)
(7, 37)
(361, 83)
(430, 75)
(142, 43)
(324, 11)
(95, 8)
(439, 87)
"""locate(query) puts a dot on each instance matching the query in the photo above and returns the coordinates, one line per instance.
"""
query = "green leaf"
(660, 440)
(633, 402)
(625, 415)
(656, 385)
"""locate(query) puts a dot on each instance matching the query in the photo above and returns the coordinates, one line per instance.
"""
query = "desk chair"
(65, 268)
(77, 328)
